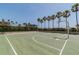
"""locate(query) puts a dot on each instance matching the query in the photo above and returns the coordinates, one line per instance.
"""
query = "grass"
(38, 43)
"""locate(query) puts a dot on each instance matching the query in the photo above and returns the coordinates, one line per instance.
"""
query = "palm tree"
(53, 18)
(8, 21)
(25, 26)
(48, 19)
(16, 22)
(59, 15)
(66, 14)
(38, 20)
(3, 21)
(19, 27)
(75, 8)
(41, 21)
(12, 22)
(9, 26)
(28, 25)
(44, 20)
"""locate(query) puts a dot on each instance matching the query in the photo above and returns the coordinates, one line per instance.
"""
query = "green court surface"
(38, 43)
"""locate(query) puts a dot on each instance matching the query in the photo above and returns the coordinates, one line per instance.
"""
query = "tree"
(38, 20)
(19, 27)
(59, 15)
(66, 14)
(48, 19)
(53, 18)
(25, 25)
(3, 20)
(8, 21)
(16, 22)
(12, 22)
(3, 25)
(44, 20)
(29, 26)
(41, 21)
(75, 8)
(9, 26)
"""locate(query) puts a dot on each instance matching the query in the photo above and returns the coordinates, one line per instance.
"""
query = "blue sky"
(30, 12)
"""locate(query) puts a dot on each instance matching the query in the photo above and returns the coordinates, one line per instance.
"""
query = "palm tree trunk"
(38, 26)
(66, 22)
(53, 24)
(41, 25)
(25, 28)
(44, 25)
(28, 27)
(59, 23)
(48, 24)
(77, 19)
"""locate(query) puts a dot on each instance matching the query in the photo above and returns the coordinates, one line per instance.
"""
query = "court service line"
(33, 38)
(63, 47)
(10, 45)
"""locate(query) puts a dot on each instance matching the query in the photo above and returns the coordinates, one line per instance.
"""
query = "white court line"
(10, 45)
(33, 38)
(63, 47)
(54, 38)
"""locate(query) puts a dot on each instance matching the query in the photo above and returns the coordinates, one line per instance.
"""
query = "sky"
(29, 12)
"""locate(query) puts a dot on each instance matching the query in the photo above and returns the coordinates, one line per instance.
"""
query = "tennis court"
(38, 43)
